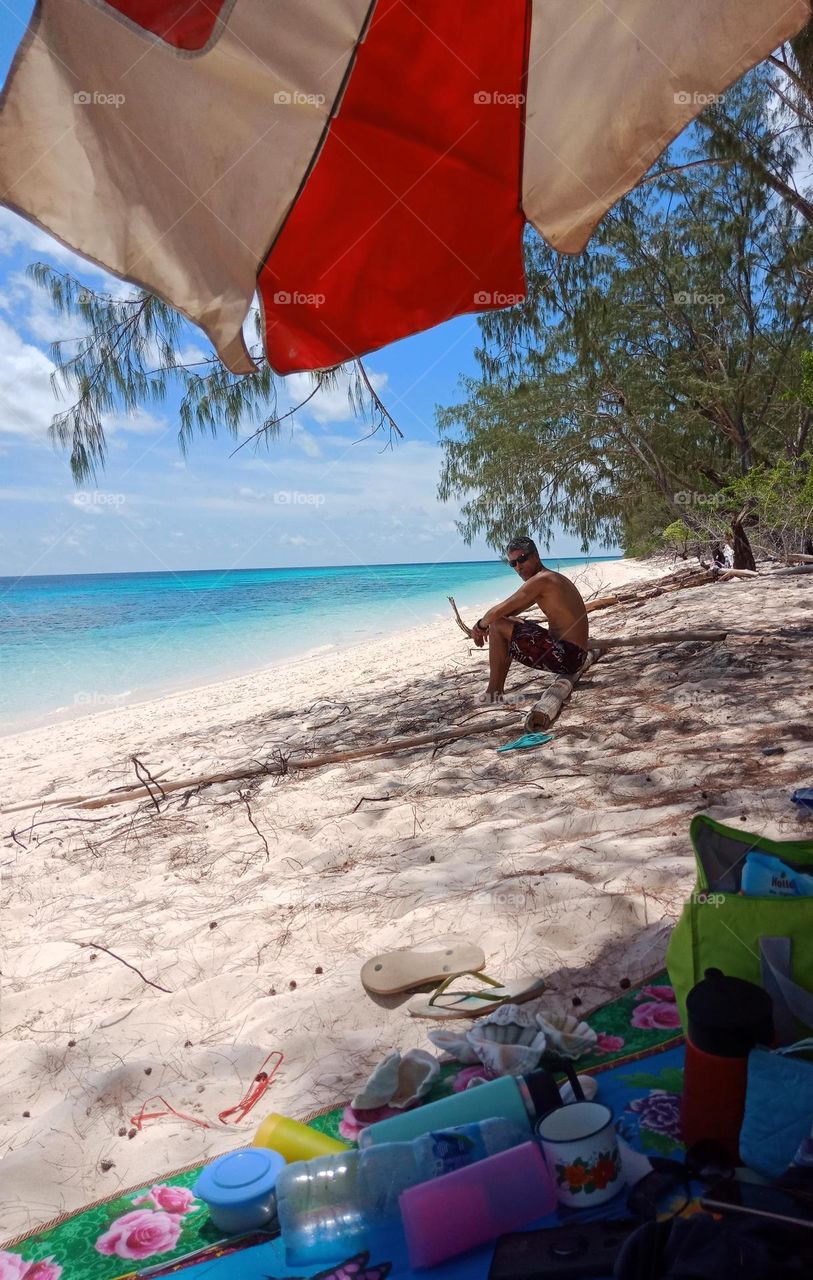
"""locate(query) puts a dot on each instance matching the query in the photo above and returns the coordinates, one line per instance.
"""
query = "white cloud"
(80, 502)
(28, 403)
(139, 423)
(328, 405)
(26, 399)
(305, 441)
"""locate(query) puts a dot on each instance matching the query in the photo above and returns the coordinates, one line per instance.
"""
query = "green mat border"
(592, 1066)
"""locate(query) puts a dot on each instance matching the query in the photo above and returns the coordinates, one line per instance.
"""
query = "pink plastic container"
(472, 1206)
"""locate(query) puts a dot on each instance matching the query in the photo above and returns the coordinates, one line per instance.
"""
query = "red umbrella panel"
(368, 169)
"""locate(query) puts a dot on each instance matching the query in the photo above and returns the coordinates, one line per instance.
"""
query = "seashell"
(399, 1080)
(455, 1044)
(566, 1034)
(589, 1089)
(508, 1041)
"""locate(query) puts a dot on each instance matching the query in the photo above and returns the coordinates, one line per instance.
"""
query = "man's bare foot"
(494, 695)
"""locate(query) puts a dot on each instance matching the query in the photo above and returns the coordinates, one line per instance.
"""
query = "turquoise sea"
(80, 643)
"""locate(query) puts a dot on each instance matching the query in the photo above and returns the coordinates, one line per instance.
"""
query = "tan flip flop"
(473, 1004)
(397, 971)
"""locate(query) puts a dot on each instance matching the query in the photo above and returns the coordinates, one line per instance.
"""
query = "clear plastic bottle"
(328, 1207)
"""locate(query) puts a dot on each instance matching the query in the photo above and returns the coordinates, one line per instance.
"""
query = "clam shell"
(507, 1041)
(398, 1080)
(455, 1043)
(565, 1034)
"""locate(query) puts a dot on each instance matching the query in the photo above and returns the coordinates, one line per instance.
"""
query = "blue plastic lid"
(240, 1177)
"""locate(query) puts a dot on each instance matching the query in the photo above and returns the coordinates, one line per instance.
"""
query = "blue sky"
(317, 496)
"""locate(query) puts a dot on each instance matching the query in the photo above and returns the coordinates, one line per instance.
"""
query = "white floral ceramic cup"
(581, 1150)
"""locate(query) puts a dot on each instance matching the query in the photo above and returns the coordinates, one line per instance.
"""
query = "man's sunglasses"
(520, 559)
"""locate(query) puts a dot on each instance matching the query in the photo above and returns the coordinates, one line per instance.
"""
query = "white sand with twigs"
(247, 910)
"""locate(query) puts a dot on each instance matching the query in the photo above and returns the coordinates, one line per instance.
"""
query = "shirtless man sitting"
(561, 647)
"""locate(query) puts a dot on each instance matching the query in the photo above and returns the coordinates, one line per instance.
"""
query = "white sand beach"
(253, 906)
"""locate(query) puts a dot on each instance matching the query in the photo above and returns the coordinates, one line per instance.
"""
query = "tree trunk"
(743, 555)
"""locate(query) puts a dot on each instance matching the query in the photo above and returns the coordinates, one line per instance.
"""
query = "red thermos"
(727, 1018)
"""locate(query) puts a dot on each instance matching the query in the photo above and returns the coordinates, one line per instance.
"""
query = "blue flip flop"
(527, 740)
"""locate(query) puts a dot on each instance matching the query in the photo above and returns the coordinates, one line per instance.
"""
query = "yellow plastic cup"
(294, 1140)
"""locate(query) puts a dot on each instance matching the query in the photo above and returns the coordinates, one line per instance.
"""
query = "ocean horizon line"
(293, 568)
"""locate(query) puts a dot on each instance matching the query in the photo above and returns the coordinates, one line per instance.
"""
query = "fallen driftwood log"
(543, 713)
(277, 768)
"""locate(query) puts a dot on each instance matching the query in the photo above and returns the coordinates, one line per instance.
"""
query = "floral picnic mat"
(161, 1221)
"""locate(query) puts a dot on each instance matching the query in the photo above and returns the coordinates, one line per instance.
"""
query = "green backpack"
(768, 941)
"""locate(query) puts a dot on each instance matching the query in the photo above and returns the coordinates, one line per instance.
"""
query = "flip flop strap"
(473, 995)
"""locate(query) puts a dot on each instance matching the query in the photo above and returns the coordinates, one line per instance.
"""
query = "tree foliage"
(649, 371)
(773, 153)
(131, 357)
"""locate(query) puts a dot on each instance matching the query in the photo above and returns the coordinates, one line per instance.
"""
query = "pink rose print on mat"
(12, 1266)
(608, 1044)
(45, 1270)
(140, 1234)
(178, 1200)
(655, 1016)
(657, 993)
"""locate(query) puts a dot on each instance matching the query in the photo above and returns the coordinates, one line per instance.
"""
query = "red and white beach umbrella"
(367, 168)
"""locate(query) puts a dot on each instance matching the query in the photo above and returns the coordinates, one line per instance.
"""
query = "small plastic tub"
(239, 1189)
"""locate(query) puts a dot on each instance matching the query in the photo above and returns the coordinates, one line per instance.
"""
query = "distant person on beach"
(559, 647)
